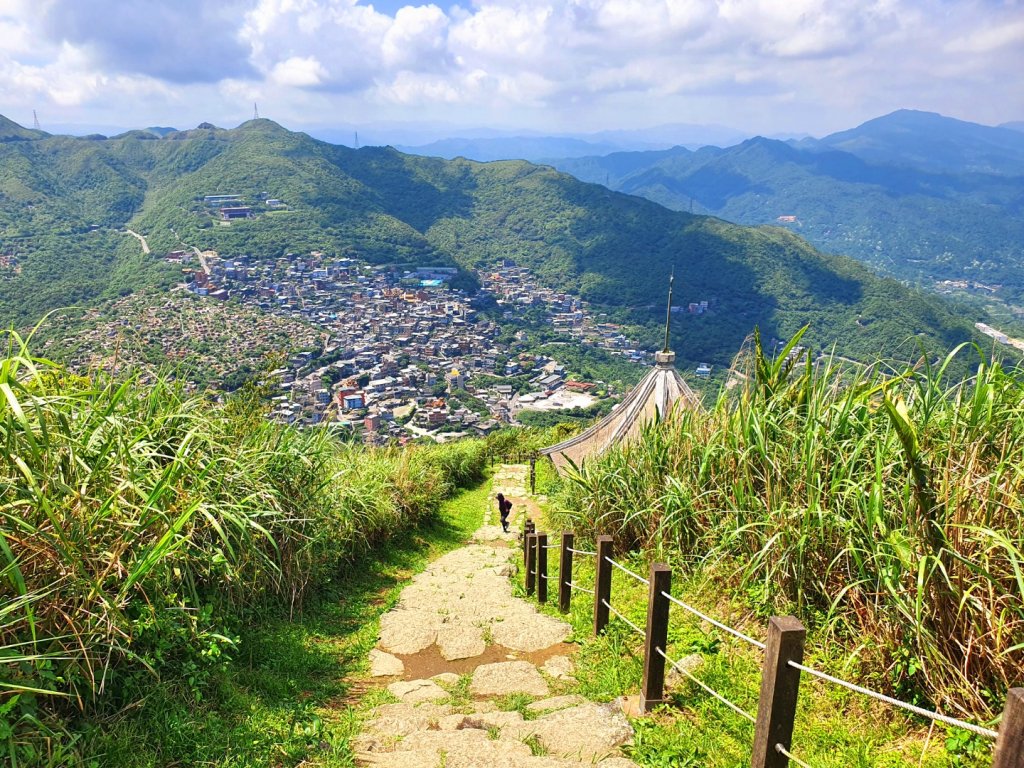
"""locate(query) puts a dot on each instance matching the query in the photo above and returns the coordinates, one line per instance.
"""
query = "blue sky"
(557, 66)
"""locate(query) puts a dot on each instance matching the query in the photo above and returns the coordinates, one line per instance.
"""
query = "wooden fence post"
(533, 475)
(652, 689)
(565, 572)
(1010, 744)
(602, 583)
(542, 567)
(528, 528)
(531, 562)
(780, 683)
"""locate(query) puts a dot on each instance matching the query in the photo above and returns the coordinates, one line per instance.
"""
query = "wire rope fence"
(782, 663)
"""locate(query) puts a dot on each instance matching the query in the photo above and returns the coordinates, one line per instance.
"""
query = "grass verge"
(835, 728)
(296, 693)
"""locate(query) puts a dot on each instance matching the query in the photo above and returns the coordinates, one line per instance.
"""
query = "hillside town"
(403, 354)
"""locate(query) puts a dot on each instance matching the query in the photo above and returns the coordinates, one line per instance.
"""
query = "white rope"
(581, 551)
(581, 589)
(552, 546)
(782, 751)
(897, 703)
(634, 626)
(713, 692)
(624, 569)
(709, 620)
(544, 576)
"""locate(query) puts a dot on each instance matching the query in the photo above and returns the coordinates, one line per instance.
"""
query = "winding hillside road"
(141, 239)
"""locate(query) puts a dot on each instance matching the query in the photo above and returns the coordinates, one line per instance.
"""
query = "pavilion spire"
(668, 310)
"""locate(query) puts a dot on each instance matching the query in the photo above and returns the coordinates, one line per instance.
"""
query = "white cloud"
(989, 39)
(298, 72)
(760, 62)
(417, 39)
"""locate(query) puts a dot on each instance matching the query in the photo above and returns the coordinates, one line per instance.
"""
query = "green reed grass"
(140, 526)
(882, 507)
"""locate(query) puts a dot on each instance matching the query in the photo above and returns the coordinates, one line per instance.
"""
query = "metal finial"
(668, 309)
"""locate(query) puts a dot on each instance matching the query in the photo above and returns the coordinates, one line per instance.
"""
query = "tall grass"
(885, 509)
(140, 525)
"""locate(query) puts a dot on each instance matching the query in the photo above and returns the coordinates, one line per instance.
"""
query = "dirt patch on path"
(430, 662)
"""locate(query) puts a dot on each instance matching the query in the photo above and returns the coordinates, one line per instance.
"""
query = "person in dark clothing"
(504, 507)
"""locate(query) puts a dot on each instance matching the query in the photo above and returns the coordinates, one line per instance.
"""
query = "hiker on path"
(504, 508)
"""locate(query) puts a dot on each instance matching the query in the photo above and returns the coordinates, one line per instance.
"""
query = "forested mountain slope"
(917, 196)
(62, 199)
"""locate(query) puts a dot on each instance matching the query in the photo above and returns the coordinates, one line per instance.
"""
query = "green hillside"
(897, 193)
(387, 207)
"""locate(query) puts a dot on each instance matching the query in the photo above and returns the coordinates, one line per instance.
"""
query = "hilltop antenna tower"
(255, 111)
(668, 309)
(357, 140)
(35, 121)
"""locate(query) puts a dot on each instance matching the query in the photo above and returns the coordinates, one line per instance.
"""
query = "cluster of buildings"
(948, 286)
(231, 207)
(516, 289)
(401, 352)
(9, 263)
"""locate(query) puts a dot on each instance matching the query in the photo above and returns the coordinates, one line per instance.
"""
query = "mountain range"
(920, 196)
(539, 148)
(65, 201)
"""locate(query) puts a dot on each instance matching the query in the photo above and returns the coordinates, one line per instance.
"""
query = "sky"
(551, 66)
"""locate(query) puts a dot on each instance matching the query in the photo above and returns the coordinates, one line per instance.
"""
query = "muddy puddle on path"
(430, 662)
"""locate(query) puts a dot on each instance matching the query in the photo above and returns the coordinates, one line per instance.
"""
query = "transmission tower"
(35, 121)
(255, 111)
(357, 139)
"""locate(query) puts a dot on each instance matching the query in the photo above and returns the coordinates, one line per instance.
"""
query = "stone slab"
(559, 667)
(556, 702)
(506, 677)
(460, 641)
(384, 664)
(587, 732)
(416, 691)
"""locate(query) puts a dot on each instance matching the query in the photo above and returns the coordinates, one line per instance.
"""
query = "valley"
(289, 194)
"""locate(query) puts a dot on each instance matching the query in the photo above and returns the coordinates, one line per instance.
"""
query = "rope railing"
(626, 570)
(578, 588)
(952, 721)
(783, 751)
(713, 622)
(582, 552)
(782, 650)
(686, 673)
(611, 608)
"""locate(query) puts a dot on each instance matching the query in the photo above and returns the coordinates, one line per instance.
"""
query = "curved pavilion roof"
(656, 394)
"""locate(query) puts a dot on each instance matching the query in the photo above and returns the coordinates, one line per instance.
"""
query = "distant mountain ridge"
(931, 142)
(62, 200)
(540, 149)
(509, 148)
(905, 217)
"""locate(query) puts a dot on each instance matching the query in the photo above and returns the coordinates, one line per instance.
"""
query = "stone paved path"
(459, 649)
